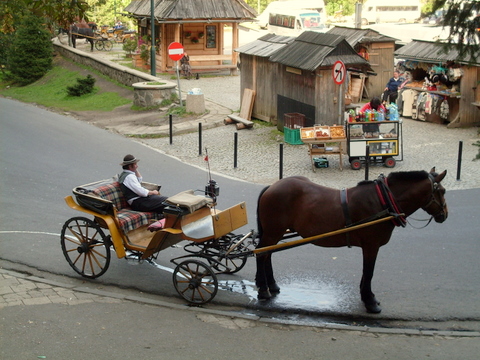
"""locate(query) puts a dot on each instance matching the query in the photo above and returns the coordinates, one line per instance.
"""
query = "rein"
(388, 202)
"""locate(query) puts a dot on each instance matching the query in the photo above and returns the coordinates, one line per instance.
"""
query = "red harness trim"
(388, 201)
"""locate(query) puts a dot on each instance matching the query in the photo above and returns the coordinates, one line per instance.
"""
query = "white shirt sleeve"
(133, 183)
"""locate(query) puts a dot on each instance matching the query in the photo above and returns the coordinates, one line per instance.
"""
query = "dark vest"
(127, 193)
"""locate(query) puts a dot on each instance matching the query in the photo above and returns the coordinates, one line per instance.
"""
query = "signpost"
(339, 72)
(176, 52)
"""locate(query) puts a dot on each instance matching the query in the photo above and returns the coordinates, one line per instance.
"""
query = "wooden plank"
(239, 119)
(247, 104)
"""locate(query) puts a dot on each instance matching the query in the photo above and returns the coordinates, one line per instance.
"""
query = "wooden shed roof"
(429, 51)
(355, 36)
(265, 45)
(311, 50)
(181, 10)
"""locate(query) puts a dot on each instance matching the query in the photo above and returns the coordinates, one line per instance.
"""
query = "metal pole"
(170, 126)
(199, 139)
(179, 89)
(280, 165)
(367, 161)
(235, 149)
(153, 70)
(459, 161)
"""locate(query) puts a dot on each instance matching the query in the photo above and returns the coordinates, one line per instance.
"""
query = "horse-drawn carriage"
(362, 216)
(212, 248)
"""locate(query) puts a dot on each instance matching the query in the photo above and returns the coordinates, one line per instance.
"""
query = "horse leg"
(261, 277)
(74, 42)
(368, 297)
(91, 44)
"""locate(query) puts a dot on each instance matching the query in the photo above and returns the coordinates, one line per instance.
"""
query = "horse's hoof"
(264, 295)
(373, 308)
(274, 288)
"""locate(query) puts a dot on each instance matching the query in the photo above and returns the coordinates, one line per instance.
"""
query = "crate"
(294, 120)
(322, 133)
(320, 162)
(337, 132)
(292, 136)
(307, 134)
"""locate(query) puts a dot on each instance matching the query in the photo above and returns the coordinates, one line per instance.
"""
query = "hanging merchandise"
(444, 109)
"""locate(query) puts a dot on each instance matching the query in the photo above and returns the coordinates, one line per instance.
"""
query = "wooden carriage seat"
(188, 201)
(127, 218)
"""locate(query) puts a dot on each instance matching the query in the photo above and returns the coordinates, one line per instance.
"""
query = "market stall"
(441, 87)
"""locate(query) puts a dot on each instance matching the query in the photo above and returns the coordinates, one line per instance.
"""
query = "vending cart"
(384, 141)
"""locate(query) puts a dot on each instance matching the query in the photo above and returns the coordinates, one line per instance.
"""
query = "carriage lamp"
(212, 189)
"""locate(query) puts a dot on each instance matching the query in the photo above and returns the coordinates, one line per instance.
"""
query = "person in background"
(138, 197)
(374, 104)
(390, 93)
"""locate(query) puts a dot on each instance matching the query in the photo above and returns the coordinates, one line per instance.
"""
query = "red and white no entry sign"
(339, 72)
(175, 51)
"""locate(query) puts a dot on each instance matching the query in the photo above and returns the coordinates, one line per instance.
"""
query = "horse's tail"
(259, 225)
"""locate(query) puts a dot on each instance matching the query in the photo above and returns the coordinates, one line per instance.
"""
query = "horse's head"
(436, 206)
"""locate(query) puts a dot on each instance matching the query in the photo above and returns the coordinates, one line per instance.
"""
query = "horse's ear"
(432, 170)
(440, 177)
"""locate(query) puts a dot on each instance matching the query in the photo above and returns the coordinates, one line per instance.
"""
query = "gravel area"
(424, 145)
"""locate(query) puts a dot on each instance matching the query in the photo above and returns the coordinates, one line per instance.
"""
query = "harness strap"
(346, 213)
(387, 200)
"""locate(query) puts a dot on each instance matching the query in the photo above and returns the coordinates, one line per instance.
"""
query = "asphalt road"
(425, 276)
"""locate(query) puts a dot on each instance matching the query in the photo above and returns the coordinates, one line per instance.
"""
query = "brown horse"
(82, 30)
(298, 205)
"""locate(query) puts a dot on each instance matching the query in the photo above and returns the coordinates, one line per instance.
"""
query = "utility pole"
(153, 70)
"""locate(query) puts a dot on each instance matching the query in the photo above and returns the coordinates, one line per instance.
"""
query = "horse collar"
(388, 202)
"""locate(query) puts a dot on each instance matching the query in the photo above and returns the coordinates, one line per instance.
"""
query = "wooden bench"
(212, 59)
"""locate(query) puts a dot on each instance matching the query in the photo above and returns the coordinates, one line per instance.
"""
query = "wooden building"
(451, 79)
(294, 75)
(199, 25)
(378, 49)
(259, 74)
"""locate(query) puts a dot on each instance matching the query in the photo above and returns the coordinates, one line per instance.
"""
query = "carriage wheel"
(389, 162)
(107, 45)
(99, 45)
(356, 164)
(85, 247)
(229, 265)
(195, 281)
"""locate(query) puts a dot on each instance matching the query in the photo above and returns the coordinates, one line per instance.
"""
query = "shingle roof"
(265, 45)
(193, 9)
(355, 36)
(311, 50)
(429, 51)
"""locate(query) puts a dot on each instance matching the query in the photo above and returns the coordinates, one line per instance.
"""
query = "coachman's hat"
(129, 159)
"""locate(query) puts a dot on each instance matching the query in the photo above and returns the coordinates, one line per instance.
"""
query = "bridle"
(433, 199)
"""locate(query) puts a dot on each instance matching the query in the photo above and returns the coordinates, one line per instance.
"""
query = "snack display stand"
(384, 139)
(324, 140)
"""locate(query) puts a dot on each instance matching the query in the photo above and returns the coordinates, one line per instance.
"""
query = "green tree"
(462, 18)
(30, 54)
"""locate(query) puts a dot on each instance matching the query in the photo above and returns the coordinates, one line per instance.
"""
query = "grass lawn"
(51, 91)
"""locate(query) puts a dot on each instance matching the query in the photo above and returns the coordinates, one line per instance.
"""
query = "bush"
(82, 87)
(30, 55)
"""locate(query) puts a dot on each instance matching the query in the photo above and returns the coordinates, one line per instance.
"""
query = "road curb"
(154, 302)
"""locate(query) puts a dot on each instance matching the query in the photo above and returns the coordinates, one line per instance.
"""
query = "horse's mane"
(408, 175)
(401, 176)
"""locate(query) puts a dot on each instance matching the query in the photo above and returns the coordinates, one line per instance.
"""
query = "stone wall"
(122, 74)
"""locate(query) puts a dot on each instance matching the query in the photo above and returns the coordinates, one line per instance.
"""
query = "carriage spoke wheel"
(85, 247)
(99, 45)
(107, 45)
(195, 281)
(229, 265)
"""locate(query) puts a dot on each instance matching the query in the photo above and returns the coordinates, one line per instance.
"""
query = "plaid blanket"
(129, 220)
